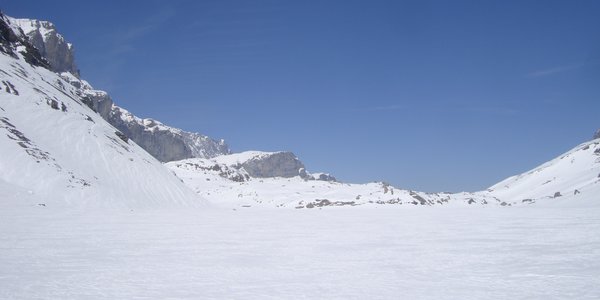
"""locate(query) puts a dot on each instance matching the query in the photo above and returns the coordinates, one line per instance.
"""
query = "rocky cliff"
(51, 45)
(164, 142)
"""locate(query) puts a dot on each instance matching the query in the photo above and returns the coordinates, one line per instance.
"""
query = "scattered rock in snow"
(421, 200)
(10, 88)
(326, 202)
(53, 103)
(123, 137)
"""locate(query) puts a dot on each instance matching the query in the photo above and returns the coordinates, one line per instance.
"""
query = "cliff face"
(51, 45)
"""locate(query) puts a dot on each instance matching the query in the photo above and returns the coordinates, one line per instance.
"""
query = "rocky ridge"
(56, 152)
(243, 166)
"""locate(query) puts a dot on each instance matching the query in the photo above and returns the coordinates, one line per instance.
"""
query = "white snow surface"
(63, 153)
(526, 252)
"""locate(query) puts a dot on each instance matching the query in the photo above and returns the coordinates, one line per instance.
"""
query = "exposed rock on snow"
(276, 164)
(316, 176)
(259, 164)
(205, 166)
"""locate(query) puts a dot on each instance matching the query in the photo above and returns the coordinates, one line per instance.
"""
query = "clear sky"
(427, 95)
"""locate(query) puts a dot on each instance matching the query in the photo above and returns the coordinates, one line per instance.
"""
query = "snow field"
(534, 252)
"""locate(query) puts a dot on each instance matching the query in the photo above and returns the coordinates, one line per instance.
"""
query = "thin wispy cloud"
(384, 108)
(490, 110)
(555, 70)
(123, 42)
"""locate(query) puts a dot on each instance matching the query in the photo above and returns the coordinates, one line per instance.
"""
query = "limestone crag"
(51, 45)
(163, 142)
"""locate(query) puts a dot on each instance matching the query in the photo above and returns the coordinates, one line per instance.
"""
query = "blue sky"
(427, 95)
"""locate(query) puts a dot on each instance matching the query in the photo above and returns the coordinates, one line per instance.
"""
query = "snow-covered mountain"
(163, 142)
(55, 150)
(67, 142)
(228, 179)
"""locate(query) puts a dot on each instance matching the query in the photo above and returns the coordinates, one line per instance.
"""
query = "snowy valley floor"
(531, 252)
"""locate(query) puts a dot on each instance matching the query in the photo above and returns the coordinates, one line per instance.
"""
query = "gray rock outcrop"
(277, 164)
(99, 101)
(51, 45)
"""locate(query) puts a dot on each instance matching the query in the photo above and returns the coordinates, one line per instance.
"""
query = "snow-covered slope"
(59, 151)
(225, 179)
(574, 174)
(163, 142)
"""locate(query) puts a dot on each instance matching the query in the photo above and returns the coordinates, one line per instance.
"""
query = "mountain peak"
(596, 135)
